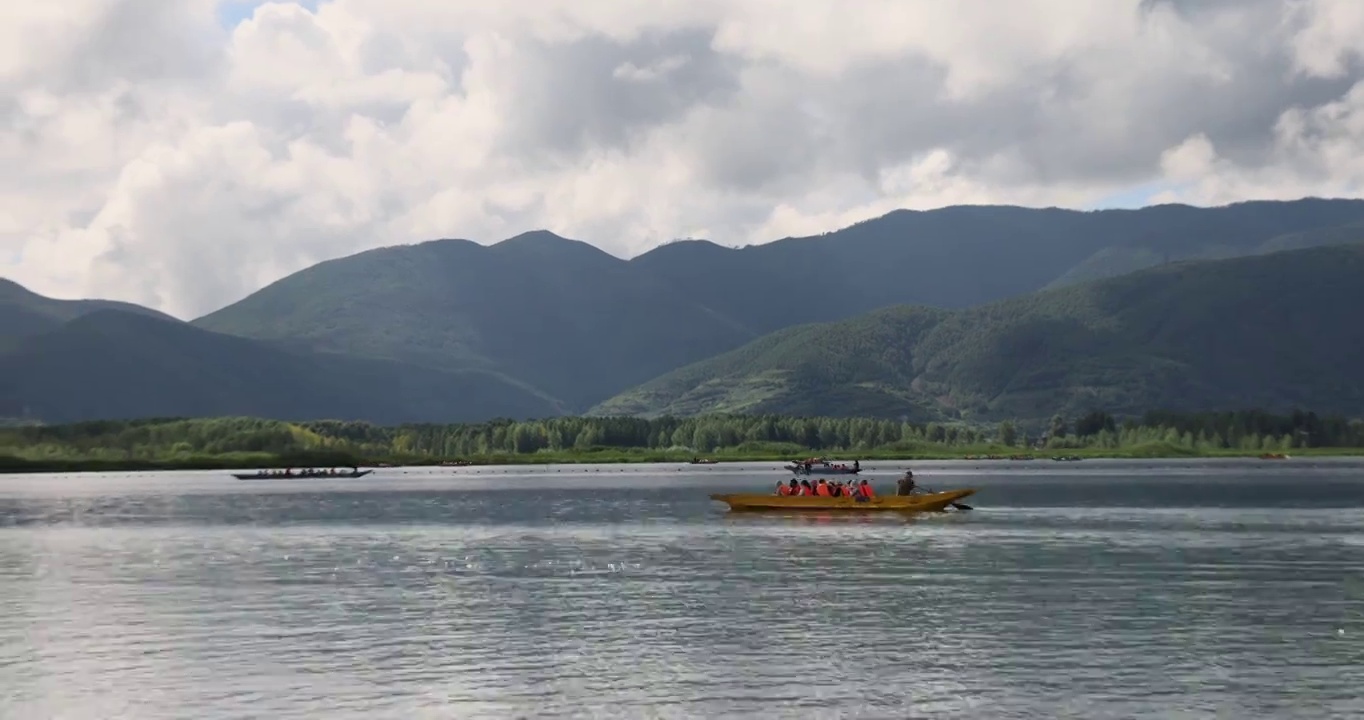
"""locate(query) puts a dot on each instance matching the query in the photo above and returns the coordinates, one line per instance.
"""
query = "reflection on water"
(1108, 590)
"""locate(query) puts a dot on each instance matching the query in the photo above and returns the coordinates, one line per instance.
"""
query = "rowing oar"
(961, 506)
(957, 505)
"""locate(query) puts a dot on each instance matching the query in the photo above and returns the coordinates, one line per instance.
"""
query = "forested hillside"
(579, 325)
(112, 364)
(1274, 331)
(24, 313)
(540, 325)
(556, 314)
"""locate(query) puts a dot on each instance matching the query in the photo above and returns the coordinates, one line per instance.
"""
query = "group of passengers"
(860, 490)
(824, 488)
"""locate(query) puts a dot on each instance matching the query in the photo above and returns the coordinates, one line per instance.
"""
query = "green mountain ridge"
(559, 315)
(579, 325)
(1275, 330)
(539, 325)
(24, 312)
(111, 364)
(1120, 260)
(963, 256)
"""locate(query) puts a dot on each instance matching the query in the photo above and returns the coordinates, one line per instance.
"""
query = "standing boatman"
(905, 486)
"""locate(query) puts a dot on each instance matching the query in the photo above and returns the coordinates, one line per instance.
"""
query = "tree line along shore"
(241, 443)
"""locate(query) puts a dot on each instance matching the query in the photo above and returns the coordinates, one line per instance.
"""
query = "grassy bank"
(252, 461)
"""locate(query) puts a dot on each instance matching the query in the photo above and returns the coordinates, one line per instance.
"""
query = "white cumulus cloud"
(182, 153)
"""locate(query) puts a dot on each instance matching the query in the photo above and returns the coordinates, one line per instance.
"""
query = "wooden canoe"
(302, 475)
(930, 502)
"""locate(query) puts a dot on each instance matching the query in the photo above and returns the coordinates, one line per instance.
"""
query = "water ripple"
(644, 601)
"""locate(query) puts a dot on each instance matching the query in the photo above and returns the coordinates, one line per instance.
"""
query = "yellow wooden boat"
(928, 502)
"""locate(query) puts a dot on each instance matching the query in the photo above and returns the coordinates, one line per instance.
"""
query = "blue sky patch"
(232, 12)
(1133, 197)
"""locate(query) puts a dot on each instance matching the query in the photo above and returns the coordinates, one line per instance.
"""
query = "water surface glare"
(1094, 589)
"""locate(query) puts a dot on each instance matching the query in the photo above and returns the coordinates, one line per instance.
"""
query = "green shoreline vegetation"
(249, 443)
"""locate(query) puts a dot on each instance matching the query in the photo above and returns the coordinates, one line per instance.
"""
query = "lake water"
(1088, 590)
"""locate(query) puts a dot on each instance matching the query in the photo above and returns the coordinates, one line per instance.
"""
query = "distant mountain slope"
(1273, 331)
(23, 312)
(580, 325)
(557, 314)
(1122, 259)
(968, 255)
(115, 364)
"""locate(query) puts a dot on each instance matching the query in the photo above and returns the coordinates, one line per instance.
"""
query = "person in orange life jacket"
(805, 488)
(823, 489)
(781, 488)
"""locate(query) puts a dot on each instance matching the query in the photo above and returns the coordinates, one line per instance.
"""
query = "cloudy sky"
(182, 153)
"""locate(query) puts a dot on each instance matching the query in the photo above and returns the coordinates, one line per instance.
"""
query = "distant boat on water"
(820, 466)
(301, 474)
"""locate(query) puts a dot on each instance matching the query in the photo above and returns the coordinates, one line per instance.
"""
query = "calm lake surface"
(1093, 589)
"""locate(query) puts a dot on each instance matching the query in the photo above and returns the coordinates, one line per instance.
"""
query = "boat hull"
(301, 476)
(929, 502)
